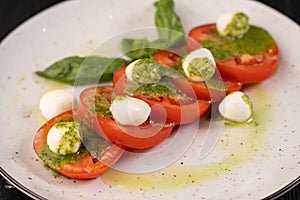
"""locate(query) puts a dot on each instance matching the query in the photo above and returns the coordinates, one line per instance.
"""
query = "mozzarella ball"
(130, 111)
(145, 71)
(129, 68)
(233, 24)
(199, 65)
(55, 102)
(236, 106)
(63, 138)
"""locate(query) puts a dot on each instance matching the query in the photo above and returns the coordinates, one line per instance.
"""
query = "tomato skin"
(248, 73)
(162, 107)
(85, 167)
(199, 89)
(178, 114)
(138, 137)
(244, 69)
(166, 58)
(119, 81)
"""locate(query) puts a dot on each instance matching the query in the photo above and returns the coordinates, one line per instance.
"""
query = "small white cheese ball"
(222, 21)
(130, 111)
(129, 68)
(236, 106)
(55, 102)
(63, 138)
(233, 24)
(199, 65)
(143, 71)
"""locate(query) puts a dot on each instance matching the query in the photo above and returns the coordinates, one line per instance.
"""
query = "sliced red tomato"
(167, 108)
(170, 57)
(245, 68)
(80, 166)
(166, 58)
(200, 89)
(144, 136)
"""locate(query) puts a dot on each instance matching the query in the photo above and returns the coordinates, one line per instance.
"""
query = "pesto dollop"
(162, 89)
(255, 41)
(237, 26)
(98, 105)
(157, 90)
(201, 67)
(146, 71)
(54, 160)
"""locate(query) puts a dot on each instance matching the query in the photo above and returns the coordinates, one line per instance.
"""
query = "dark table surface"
(14, 12)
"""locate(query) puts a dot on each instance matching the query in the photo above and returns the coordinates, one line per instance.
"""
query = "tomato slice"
(144, 136)
(80, 165)
(166, 108)
(167, 57)
(246, 68)
(200, 89)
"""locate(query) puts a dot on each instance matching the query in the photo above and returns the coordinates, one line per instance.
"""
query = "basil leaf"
(137, 48)
(168, 23)
(170, 33)
(82, 70)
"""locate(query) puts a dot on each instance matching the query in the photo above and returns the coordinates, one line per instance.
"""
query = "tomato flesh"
(200, 89)
(164, 107)
(85, 166)
(144, 136)
(245, 68)
(167, 58)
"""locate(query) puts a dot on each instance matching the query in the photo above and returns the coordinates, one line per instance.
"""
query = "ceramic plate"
(248, 162)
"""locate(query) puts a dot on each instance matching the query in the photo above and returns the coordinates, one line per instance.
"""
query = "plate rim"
(35, 195)
(276, 194)
(283, 190)
(20, 186)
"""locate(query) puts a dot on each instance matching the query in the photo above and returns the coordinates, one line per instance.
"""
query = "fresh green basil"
(166, 19)
(137, 48)
(83, 70)
(170, 33)
(93, 69)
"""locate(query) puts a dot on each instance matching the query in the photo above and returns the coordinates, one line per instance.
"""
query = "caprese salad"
(152, 92)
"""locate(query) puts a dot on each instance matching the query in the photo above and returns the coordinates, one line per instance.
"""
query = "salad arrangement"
(154, 90)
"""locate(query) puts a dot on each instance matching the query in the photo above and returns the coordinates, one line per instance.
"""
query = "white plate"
(247, 163)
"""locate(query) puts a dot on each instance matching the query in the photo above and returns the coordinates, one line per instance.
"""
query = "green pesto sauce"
(248, 101)
(98, 105)
(174, 71)
(120, 98)
(216, 84)
(156, 89)
(255, 41)
(92, 144)
(240, 145)
(163, 88)
(238, 26)
(54, 160)
(201, 67)
(69, 139)
(146, 71)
